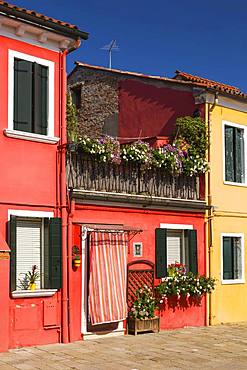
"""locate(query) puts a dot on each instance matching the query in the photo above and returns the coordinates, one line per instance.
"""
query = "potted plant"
(142, 314)
(76, 258)
(29, 280)
(180, 283)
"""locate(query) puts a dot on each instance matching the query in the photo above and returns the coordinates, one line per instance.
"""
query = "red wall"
(148, 221)
(28, 168)
(148, 110)
(30, 181)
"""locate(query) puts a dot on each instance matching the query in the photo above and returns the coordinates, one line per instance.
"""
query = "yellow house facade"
(226, 222)
(225, 110)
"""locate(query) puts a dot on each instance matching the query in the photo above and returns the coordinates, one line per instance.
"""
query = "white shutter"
(28, 248)
(174, 243)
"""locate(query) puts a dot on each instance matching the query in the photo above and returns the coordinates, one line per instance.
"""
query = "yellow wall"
(228, 302)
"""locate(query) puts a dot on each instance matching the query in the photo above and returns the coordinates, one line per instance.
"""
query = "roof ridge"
(195, 77)
(38, 17)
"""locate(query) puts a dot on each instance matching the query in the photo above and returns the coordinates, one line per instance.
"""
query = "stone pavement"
(218, 347)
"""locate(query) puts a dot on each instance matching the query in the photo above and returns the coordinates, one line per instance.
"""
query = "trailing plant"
(145, 304)
(180, 283)
(186, 154)
(138, 151)
(72, 122)
(105, 149)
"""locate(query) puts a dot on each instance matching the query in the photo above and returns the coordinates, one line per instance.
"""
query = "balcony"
(86, 175)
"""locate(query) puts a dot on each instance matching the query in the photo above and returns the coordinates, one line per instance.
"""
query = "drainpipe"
(63, 188)
(209, 202)
(70, 244)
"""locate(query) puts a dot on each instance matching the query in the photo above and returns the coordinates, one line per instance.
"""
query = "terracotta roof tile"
(183, 76)
(180, 78)
(38, 15)
(134, 74)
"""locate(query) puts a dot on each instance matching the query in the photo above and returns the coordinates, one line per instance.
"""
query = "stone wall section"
(99, 110)
(98, 113)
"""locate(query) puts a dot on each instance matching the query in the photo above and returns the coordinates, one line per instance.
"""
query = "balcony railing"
(84, 173)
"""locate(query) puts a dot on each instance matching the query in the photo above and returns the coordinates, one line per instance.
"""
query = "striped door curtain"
(108, 277)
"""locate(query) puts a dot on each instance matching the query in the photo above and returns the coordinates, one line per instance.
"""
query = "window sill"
(232, 282)
(33, 293)
(235, 183)
(31, 137)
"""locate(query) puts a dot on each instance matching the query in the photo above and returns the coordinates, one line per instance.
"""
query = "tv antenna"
(111, 47)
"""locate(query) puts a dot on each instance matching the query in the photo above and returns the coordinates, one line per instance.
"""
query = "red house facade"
(33, 217)
(106, 202)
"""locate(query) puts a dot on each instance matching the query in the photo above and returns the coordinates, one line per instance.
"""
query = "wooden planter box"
(141, 326)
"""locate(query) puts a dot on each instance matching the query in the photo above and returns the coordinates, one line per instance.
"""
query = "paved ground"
(219, 347)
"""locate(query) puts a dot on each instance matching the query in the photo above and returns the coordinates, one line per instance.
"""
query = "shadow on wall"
(110, 126)
(149, 110)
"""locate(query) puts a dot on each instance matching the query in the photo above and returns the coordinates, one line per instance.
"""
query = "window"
(35, 241)
(76, 96)
(234, 156)
(31, 97)
(232, 258)
(175, 245)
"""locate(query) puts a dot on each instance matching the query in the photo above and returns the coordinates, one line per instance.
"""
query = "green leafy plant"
(33, 275)
(192, 135)
(29, 277)
(76, 253)
(145, 304)
(72, 122)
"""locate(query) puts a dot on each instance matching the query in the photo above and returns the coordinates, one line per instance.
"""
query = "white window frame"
(49, 138)
(179, 227)
(233, 281)
(31, 214)
(243, 127)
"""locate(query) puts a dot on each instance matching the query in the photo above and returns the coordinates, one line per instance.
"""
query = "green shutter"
(12, 243)
(227, 258)
(239, 155)
(23, 95)
(46, 261)
(55, 253)
(40, 99)
(229, 154)
(161, 253)
(192, 244)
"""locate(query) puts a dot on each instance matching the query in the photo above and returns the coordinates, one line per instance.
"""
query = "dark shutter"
(239, 155)
(227, 258)
(12, 244)
(40, 105)
(22, 95)
(55, 253)
(192, 244)
(161, 253)
(46, 261)
(229, 153)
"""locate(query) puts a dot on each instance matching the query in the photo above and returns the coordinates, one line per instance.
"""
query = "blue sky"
(157, 37)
